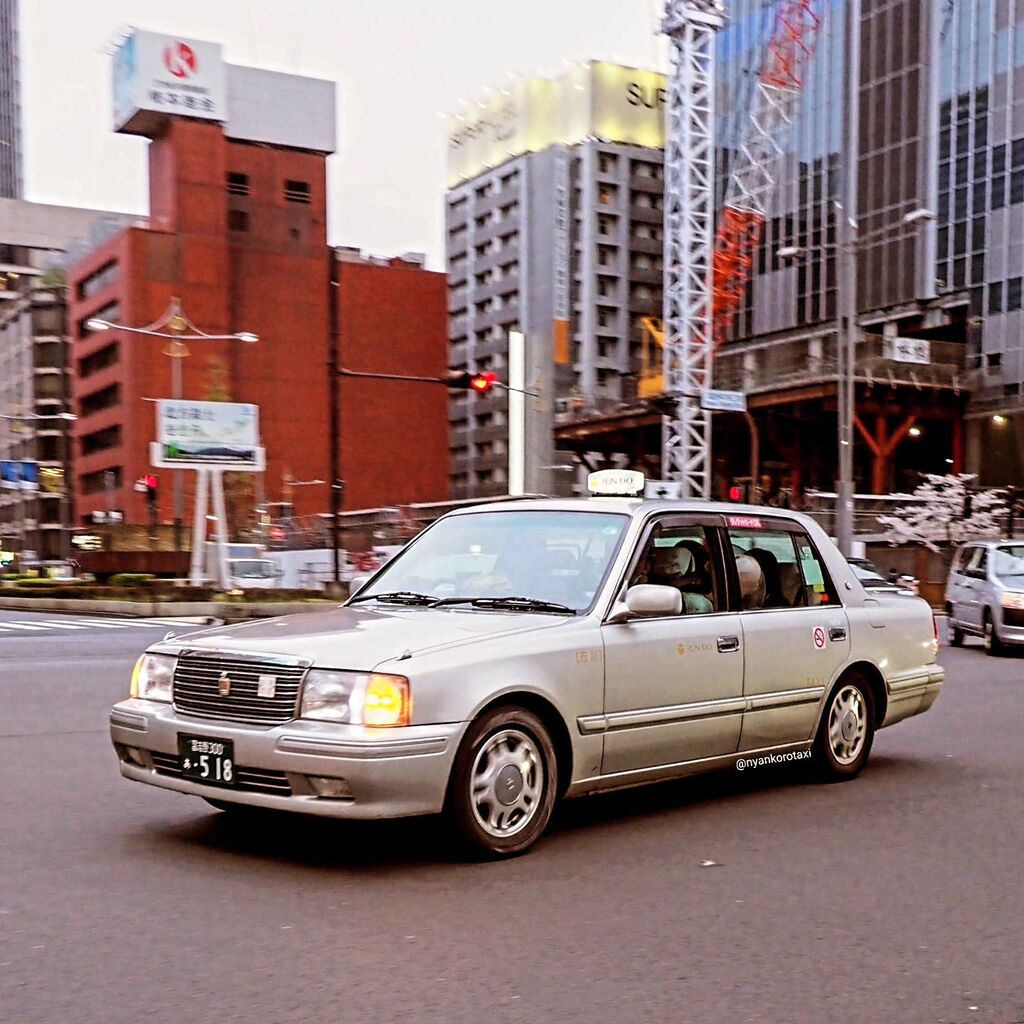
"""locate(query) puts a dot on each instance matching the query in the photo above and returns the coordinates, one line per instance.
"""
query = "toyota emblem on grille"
(224, 684)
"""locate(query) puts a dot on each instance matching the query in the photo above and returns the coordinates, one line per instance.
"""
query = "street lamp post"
(848, 332)
(176, 327)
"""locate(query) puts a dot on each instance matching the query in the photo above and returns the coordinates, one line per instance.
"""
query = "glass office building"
(940, 91)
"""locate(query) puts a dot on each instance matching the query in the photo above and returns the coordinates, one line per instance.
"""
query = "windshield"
(1008, 561)
(559, 557)
(252, 569)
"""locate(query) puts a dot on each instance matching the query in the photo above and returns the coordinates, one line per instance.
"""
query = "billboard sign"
(207, 435)
(19, 476)
(156, 76)
(595, 100)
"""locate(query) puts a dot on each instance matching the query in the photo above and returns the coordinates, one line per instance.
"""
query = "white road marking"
(53, 625)
(22, 625)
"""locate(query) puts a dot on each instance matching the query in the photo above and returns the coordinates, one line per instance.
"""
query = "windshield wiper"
(396, 597)
(531, 604)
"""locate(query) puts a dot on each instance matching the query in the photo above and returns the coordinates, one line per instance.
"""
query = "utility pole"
(177, 350)
(848, 330)
(334, 390)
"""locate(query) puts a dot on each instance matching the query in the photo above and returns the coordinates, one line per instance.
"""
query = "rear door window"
(779, 568)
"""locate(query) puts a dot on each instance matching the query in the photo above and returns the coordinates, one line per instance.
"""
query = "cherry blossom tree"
(935, 514)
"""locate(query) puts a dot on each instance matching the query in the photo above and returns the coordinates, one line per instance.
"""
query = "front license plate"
(207, 759)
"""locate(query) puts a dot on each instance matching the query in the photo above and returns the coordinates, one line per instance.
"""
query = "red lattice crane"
(759, 155)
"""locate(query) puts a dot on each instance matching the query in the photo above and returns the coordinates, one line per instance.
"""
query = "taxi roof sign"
(616, 481)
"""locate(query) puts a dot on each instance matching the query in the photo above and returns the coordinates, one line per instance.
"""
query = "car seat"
(774, 596)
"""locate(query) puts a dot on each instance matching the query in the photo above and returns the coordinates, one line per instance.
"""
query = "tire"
(993, 645)
(956, 635)
(846, 731)
(503, 784)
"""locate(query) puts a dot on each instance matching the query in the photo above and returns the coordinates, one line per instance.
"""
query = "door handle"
(836, 633)
(726, 644)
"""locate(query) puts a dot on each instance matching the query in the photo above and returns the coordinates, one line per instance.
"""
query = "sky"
(399, 65)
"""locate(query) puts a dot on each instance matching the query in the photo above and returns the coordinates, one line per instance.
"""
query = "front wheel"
(993, 644)
(503, 784)
(847, 730)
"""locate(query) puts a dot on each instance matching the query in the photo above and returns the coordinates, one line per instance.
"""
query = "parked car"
(985, 594)
(871, 578)
(519, 652)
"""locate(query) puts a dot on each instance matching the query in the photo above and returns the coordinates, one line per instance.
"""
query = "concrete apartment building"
(36, 241)
(554, 228)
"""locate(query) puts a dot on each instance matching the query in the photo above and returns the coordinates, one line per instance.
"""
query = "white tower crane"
(689, 231)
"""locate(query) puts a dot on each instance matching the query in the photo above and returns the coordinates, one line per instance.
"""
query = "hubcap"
(507, 783)
(847, 724)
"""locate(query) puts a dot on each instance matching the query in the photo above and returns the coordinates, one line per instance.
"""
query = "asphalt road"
(895, 898)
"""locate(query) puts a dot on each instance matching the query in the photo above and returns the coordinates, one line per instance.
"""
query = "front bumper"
(391, 773)
(1010, 625)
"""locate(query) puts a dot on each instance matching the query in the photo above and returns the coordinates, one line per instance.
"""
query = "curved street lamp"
(177, 328)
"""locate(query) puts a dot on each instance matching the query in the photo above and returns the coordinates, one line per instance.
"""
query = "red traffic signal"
(735, 494)
(481, 383)
(151, 481)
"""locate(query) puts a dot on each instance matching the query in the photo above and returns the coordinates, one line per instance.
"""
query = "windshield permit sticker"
(745, 522)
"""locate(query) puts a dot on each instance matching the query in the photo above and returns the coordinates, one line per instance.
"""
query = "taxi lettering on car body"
(529, 650)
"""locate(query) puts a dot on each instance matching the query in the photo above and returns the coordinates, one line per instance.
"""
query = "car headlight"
(1013, 601)
(153, 678)
(356, 698)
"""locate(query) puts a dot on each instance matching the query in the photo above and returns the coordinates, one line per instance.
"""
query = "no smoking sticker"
(820, 640)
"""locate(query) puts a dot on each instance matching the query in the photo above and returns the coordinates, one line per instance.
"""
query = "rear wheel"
(956, 634)
(847, 730)
(993, 644)
(503, 785)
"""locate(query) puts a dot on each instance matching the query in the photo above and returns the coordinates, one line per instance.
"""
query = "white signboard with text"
(207, 435)
(909, 350)
(157, 75)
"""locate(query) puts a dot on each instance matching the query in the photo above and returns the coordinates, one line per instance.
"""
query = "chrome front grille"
(253, 780)
(199, 684)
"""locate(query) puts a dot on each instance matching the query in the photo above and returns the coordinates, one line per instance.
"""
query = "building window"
(238, 220)
(107, 356)
(102, 480)
(297, 191)
(105, 398)
(1013, 293)
(111, 312)
(98, 280)
(102, 440)
(238, 184)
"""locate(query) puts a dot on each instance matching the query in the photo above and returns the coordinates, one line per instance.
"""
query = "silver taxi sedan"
(522, 652)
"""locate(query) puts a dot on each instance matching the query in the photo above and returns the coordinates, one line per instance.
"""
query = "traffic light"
(463, 380)
(151, 482)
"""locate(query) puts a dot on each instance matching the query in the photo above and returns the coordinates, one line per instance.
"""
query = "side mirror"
(647, 600)
(357, 583)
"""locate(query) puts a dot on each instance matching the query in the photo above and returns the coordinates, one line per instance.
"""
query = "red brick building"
(237, 232)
